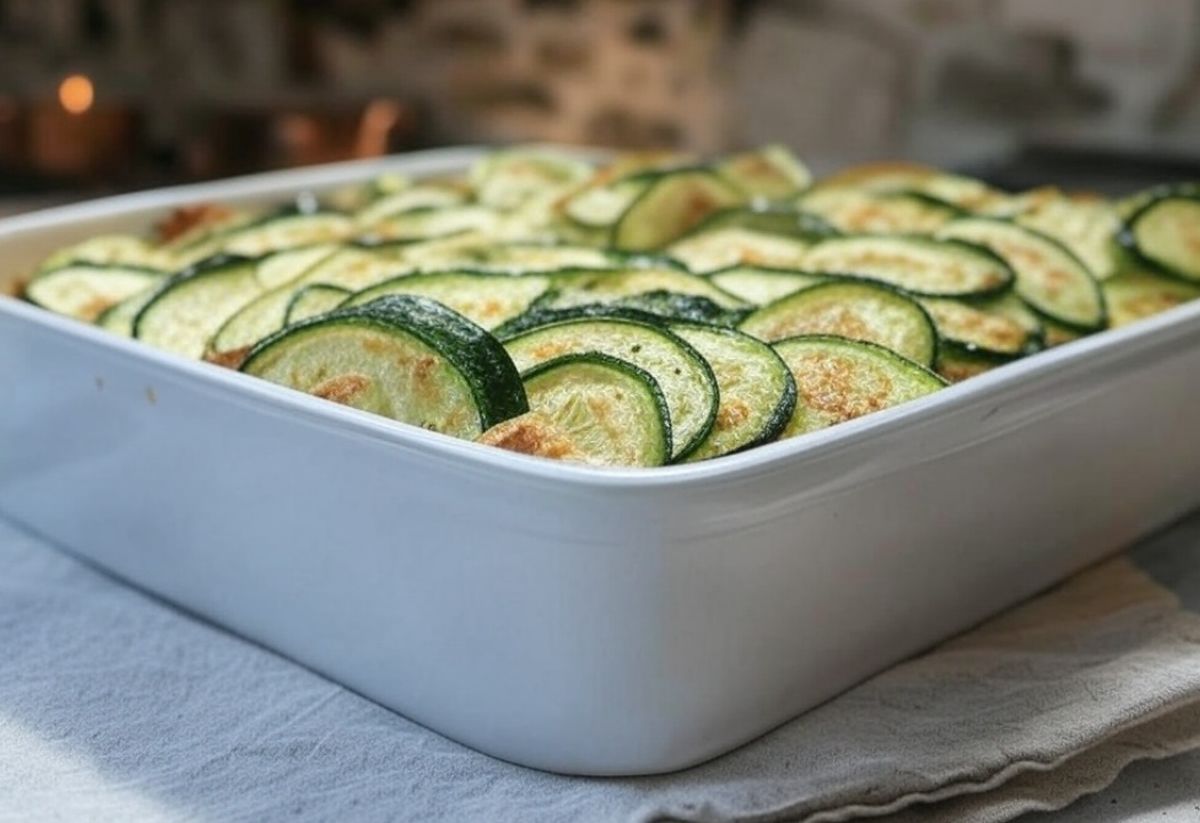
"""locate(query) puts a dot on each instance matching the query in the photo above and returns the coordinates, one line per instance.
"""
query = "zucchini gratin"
(655, 309)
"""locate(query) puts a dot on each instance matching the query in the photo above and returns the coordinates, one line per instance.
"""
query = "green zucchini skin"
(313, 299)
(745, 369)
(866, 256)
(495, 384)
(654, 443)
(859, 310)
(1042, 290)
(684, 375)
(839, 379)
(760, 285)
(485, 298)
(86, 290)
(177, 294)
(669, 207)
(1144, 249)
(771, 218)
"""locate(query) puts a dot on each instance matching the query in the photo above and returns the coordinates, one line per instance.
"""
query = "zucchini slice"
(728, 246)
(669, 207)
(507, 179)
(919, 265)
(690, 307)
(579, 287)
(1053, 281)
(121, 250)
(597, 207)
(760, 285)
(1166, 233)
(424, 196)
(656, 308)
(523, 258)
(1001, 327)
(189, 307)
(1137, 294)
(953, 189)
(309, 301)
(119, 318)
(351, 268)
(771, 172)
(839, 379)
(424, 224)
(684, 376)
(769, 218)
(1088, 227)
(757, 394)
(86, 290)
(856, 311)
(956, 364)
(403, 357)
(1131, 205)
(483, 298)
(610, 411)
(288, 230)
(865, 212)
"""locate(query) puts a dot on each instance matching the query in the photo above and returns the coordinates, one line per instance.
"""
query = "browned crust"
(186, 219)
(532, 433)
(231, 359)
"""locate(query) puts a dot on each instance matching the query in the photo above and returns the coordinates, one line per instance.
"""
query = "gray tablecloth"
(113, 706)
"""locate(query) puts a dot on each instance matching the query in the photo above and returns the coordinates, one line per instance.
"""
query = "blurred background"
(108, 95)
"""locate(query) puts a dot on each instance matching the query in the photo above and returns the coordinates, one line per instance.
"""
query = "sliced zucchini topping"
(408, 199)
(118, 250)
(352, 268)
(523, 258)
(771, 173)
(956, 364)
(1166, 232)
(933, 268)
(1088, 227)
(684, 376)
(1049, 278)
(999, 326)
(86, 290)
(189, 307)
(507, 179)
(757, 394)
(1138, 293)
(601, 410)
(573, 288)
(857, 311)
(288, 231)
(663, 307)
(483, 298)
(953, 189)
(309, 301)
(865, 212)
(723, 247)
(759, 285)
(669, 207)
(601, 206)
(403, 357)
(839, 379)
(768, 218)
(423, 224)
(119, 318)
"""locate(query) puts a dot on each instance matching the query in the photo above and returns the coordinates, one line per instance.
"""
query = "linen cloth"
(114, 706)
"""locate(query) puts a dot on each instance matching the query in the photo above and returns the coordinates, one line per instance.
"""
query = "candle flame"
(76, 93)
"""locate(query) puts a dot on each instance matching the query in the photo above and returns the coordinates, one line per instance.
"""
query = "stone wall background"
(945, 80)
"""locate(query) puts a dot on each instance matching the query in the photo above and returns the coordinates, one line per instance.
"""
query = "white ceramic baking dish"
(573, 619)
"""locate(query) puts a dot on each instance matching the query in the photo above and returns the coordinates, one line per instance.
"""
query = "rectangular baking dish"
(567, 618)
